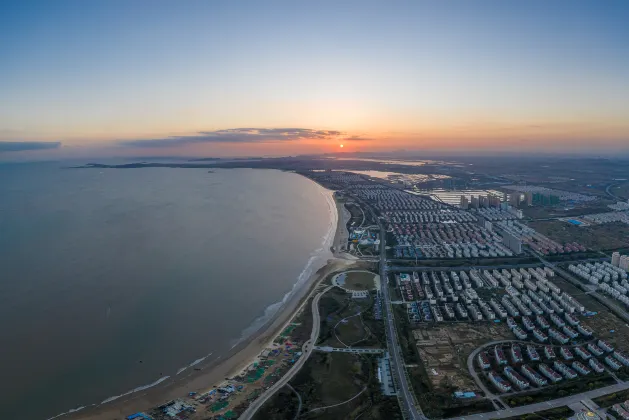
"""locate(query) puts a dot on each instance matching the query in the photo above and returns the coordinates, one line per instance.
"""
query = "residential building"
(533, 376)
(612, 363)
(594, 349)
(583, 353)
(580, 367)
(483, 360)
(567, 372)
(532, 353)
(621, 358)
(499, 382)
(515, 378)
(566, 353)
(596, 365)
(548, 372)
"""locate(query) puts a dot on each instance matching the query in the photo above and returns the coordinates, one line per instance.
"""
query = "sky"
(237, 78)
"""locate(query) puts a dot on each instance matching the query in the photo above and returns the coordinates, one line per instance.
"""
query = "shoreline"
(238, 357)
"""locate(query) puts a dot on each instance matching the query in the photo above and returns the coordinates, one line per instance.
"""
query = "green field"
(359, 280)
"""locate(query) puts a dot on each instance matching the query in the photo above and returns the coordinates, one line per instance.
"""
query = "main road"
(307, 349)
(547, 405)
(405, 394)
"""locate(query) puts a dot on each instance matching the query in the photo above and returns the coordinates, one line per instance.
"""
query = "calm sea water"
(111, 279)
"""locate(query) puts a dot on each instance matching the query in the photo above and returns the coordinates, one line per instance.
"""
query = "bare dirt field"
(444, 349)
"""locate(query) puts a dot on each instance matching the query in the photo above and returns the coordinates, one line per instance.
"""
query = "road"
(298, 398)
(547, 405)
(307, 349)
(610, 193)
(405, 395)
(406, 269)
(328, 349)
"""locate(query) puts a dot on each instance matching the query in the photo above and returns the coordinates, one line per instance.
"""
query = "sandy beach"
(240, 357)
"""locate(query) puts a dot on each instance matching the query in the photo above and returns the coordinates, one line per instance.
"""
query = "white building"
(616, 259)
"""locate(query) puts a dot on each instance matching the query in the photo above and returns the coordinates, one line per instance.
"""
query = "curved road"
(299, 398)
(307, 349)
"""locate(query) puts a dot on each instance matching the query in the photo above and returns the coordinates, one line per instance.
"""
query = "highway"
(547, 405)
(404, 393)
(307, 349)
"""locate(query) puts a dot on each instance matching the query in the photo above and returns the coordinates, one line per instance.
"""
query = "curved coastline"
(253, 340)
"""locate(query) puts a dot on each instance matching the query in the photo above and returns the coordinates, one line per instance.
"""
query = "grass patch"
(359, 280)
(558, 413)
(561, 390)
(611, 399)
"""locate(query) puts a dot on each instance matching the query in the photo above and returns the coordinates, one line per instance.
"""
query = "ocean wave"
(196, 362)
(138, 389)
(74, 410)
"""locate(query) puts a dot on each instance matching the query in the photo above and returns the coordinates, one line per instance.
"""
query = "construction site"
(443, 351)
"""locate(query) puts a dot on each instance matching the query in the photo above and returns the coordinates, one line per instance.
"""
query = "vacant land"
(347, 382)
(441, 367)
(597, 237)
(444, 349)
(621, 190)
(539, 212)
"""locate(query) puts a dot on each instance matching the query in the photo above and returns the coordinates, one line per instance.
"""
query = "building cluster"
(521, 370)
(609, 278)
(620, 206)
(620, 261)
(441, 296)
(621, 410)
(544, 310)
(607, 217)
(546, 196)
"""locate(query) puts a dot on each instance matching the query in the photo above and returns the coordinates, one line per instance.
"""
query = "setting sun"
(341, 146)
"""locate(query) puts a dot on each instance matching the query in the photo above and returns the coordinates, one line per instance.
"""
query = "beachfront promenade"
(307, 349)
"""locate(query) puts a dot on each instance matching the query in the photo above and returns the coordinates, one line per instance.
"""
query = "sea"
(115, 280)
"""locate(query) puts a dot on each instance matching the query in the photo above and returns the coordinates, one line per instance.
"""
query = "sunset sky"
(124, 78)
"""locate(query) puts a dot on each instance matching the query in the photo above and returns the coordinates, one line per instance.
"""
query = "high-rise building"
(474, 202)
(624, 262)
(616, 259)
(464, 204)
(528, 197)
(514, 199)
(494, 201)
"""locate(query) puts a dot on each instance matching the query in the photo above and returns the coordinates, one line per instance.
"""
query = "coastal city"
(451, 294)
(314, 210)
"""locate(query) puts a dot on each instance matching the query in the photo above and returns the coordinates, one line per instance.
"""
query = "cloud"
(238, 135)
(19, 146)
(357, 138)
